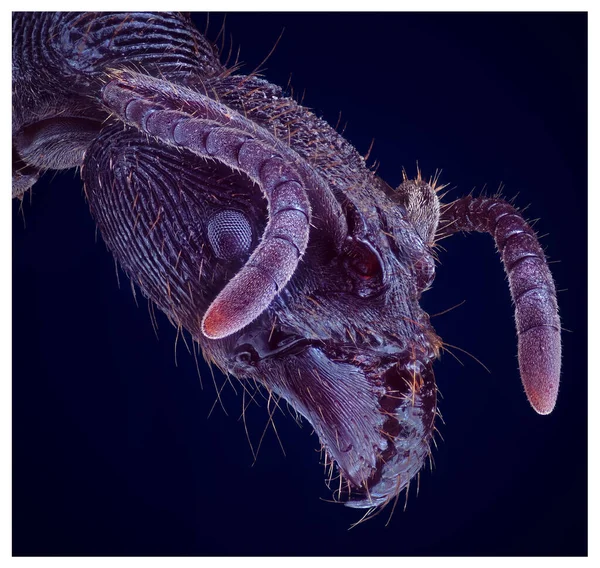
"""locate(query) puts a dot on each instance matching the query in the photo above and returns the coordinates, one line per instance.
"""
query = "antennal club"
(531, 288)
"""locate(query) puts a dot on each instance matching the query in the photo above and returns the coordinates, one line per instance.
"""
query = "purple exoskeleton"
(255, 226)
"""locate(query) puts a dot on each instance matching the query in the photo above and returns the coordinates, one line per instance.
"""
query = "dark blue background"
(112, 449)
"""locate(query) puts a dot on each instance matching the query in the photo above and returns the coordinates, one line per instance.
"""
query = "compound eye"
(229, 234)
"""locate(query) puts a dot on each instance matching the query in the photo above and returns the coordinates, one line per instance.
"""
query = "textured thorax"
(61, 58)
